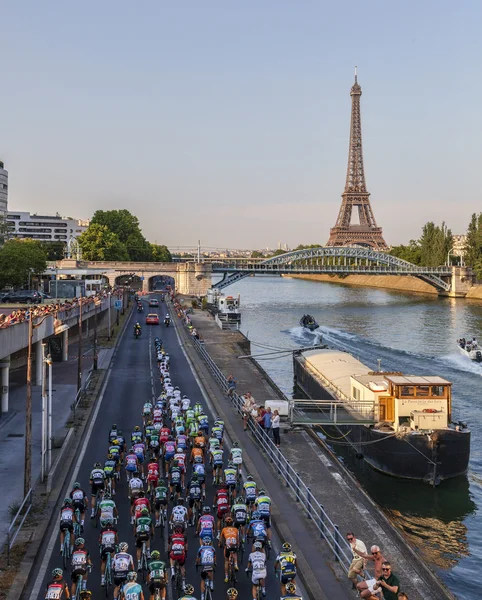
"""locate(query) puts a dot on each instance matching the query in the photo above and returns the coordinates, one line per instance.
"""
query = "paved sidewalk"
(12, 428)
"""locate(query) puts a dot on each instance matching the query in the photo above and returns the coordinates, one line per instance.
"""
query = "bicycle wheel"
(179, 586)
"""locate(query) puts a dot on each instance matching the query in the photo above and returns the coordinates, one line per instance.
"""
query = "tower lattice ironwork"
(366, 233)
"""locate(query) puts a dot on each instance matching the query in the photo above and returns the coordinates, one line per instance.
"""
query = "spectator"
(275, 428)
(247, 408)
(357, 564)
(402, 596)
(267, 419)
(388, 582)
(231, 385)
(260, 417)
(366, 588)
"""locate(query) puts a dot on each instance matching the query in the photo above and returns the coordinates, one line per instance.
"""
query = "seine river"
(412, 333)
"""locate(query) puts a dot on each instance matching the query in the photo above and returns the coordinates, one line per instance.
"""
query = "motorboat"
(470, 349)
(309, 322)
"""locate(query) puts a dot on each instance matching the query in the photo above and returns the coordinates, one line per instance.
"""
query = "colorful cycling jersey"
(136, 437)
(112, 435)
(217, 432)
(109, 467)
(199, 441)
(139, 504)
(106, 509)
(181, 459)
(66, 514)
(152, 471)
(214, 444)
(217, 457)
(200, 471)
(250, 490)
(97, 476)
(287, 562)
(139, 449)
(143, 525)
(194, 490)
(258, 528)
(169, 449)
(206, 556)
(181, 441)
(175, 474)
(230, 476)
(178, 545)
(79, 559)
(161, 492)
(131, 462)
(77, 496)
(157, 570)
(157, 415)
(55, 591)
(186, 403)
(132, 591)
(258, 561)
(107, 538)
(121, 563)
(115, 451)
(222, 502)
(179, 514)
(164, 433)
(231, 537)
(263, 504)
(206, 526)
(147, 408)
(193, 429)
(239, 512)
(150, 430)
(189, 416)
(219, 423)
(154, 441)
(136, 484)
(198, 409)
(237, 456)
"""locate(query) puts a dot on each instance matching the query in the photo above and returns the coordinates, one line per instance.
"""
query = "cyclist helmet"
(180, 501)
(230, 465)
(257, 545)
(286, 547)
(188, 589)
(235, 444)
(194, 477)
(123, 547)
(79, 542)
(109, 457)
(115, 442)
(76, 485)
(137, 428)
(170, 438)
(145, 512)
(132, 576)
(57, 573)
(131, 449)
(232, 593)
(256, 514)
(290, 587)
(175, 463)
(142, 494)
(106, 495)
(114, 426)
(206, 510)
(179, 450)
(250, 478)
(198, 459)
(67, 502)
(108, 522)
(177, 387)
(97, 465)
(86, 594)
(228, 521)
(155, 555)
(178, 528)
(184, 396)
(261, 492)
(207, 541)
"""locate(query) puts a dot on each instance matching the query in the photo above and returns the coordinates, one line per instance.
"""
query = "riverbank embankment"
(333, 486)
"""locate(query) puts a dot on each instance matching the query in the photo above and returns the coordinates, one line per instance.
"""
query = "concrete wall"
(475, 292)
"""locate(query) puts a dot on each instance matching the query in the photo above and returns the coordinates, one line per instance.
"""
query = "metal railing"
(313, 509)
(80, 395)
(328, 412)
(14, 529)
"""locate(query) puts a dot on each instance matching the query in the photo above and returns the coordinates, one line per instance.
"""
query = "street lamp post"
(108, 314)
(79, 357)
(43, 456)
(49, 417)
(95, 335)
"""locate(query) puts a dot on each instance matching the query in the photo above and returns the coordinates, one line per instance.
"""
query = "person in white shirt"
(358, 563)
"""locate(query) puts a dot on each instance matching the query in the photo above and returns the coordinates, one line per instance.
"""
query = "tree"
(256, 254)
(19, 259)
(305, 246)
(138, 248)
(121, 222)
(99, 243)
(160, 253)
(435, 244)
(54, 250)
(411, 253)
(473, 245)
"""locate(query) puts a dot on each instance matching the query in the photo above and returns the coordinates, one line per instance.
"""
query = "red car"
(152, 319)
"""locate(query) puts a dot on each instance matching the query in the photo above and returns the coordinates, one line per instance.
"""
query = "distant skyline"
(229, 123)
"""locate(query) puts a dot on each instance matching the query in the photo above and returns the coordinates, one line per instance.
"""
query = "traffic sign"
(118, 304)
(142, 278)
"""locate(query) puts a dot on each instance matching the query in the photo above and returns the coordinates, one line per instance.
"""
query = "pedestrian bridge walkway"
(332, 412)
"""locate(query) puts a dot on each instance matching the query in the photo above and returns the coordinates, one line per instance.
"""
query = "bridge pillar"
(145, 283)
(65, 345)
(38, 362)
(5, 374)
(193, 279)
(461, 281)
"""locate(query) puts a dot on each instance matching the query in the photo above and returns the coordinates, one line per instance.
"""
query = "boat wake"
(461, 363)
(303, 336)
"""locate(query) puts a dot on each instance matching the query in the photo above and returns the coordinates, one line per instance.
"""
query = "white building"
(46, 228)
(3, 190)
(458, 247)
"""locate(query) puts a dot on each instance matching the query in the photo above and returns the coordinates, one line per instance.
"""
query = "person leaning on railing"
(247, 408)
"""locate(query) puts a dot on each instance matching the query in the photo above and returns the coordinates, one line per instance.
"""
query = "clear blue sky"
(228, 121)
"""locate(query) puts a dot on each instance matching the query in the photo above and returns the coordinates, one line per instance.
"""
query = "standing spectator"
(260, 417)
(231, 385)
(275, 428)
(366, 588)
(402, 596)
(388, 582)
(247, 408)
(267, 419)
(358, 563)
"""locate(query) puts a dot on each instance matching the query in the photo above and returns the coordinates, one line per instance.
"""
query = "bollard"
(297, 487)
(322, 521)
(337, 543)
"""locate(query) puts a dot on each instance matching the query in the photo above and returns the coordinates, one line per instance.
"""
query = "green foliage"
(473, 245)
(54, 250)
(435, 244)
(256, 254)
(121, 222)
(99, 243)
(411, 253)
(305, 246)
(18, 258)
(278, 252)
(160, 253)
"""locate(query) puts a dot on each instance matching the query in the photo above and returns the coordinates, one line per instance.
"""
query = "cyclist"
(80, 501)
(138, 506)
(175, 479)
(239, 512)
(200, 441)
(132, 464)
(107, 510)
(160, 502)
(213, 444)
(67, 520)
(156, 575)
(257, 563)
(168, 452)
(216, 462)
(218, 432)
(81, 564)
(179, 514)
(221, 503)
(194, 493)
(147, 412)
(257, 527)
(230, 477)
(180, 457)
(144, 531)
(152, 474)
(185, 403)
(206, 559)
(177, 549)
(263, 506)
(58, 588)
(122, 563)
(137, 329)
(136, 435)
(97, 483)
(198, 409)
(139, 449)
(286, 561)
(108, 540)
(230, 539)
(132, 590)
(113, 433)
(232, 594)
(121, 442)
(189, 414)
(250, 492)
(182, 441)
(236, 457)
(115, 452)
(205, 526)
(164, 434)
(291, 592)
(200, 470)
(110, 469)
(188, 592)
(136, 486)
(203, 424)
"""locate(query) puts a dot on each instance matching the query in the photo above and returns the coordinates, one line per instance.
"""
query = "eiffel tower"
(355, 195)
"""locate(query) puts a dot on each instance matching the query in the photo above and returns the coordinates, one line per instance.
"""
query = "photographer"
(388, 583)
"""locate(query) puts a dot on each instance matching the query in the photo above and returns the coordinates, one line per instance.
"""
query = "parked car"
(27, 296)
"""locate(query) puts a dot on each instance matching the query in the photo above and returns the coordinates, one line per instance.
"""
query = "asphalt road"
(132, 381)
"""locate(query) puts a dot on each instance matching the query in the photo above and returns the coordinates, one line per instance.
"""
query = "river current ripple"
(412, 333)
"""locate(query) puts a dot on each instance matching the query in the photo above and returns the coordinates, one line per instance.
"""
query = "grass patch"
(9, 572)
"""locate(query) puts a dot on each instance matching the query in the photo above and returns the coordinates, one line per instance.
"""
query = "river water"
(412, 333)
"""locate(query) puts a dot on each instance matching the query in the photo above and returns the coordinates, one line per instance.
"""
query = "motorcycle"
(167, 322)
(140, 309)
(137, 333)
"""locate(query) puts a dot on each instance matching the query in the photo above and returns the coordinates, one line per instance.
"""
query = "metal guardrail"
(14, 530)
(80, 395)
(314, 510)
